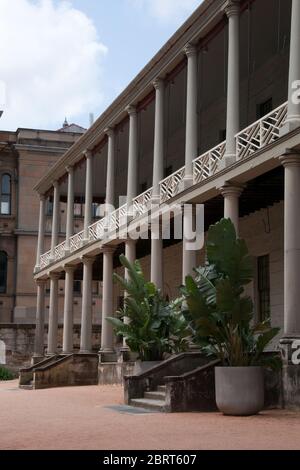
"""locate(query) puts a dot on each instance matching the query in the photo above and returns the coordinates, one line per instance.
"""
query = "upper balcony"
(250, 140)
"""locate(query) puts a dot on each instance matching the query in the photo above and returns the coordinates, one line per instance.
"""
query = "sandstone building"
(211, 119)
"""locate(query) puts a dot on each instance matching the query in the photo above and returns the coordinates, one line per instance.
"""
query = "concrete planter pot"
(239, 390)
(143, 366)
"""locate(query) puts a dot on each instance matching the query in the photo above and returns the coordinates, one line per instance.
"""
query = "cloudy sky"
(69, 58)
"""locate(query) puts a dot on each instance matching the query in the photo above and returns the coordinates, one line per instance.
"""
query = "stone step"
(148, 404)
(161, 388)
(156, 395)
(26, 387)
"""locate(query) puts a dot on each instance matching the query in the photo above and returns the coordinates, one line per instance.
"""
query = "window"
(78, 210)
(264, 108)
(222, 135)
(263, 286)
(3, 272)
(5, 194)
(49, 208)
(77, 287)
(96, 208)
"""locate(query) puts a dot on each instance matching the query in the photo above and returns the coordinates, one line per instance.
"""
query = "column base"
(290, 352)
(186, 183)
(289, 126)
(228, 159)
(84, 352)
(107, 356)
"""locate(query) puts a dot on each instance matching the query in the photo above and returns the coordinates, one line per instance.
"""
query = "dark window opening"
(77, 287)
(263, 285)
(222, 135)
(168, 171)
(5, 207)
(3, 272)
(143, 187)
(264, 108)
(49, 208)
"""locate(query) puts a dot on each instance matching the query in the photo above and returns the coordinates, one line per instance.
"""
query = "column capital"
(290, 158)
(70, 168)
(55, 184)
(69, 268)
(109, 131)
(41, 282)
(87, 260)
(190, 50)
(108, 250)
(54, 276)
(232, 189)
(42, 197)
(232, 8)
(87, 153)
(131, 110)
(158, 83)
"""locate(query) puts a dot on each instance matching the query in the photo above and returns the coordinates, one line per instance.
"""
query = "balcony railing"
(251, 139)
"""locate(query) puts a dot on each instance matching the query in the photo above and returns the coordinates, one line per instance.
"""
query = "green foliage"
(220, 314)
(5, 374)
(155, 326)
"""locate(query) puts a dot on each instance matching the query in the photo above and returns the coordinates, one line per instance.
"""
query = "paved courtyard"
(94, 418)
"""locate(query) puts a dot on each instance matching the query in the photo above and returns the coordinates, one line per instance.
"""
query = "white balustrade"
(208, 164)
(260, 133)
(170, 186)
(251, 139)
(142, 203)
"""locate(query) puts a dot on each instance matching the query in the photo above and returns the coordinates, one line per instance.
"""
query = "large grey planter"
(239, 390)
(143, 366)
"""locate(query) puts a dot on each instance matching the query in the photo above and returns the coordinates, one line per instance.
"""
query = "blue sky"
(69, 58)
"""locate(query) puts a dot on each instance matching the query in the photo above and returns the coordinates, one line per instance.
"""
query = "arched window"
(3, 272)
(5, 206)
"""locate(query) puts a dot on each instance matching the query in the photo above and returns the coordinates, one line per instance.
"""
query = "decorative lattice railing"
(248, 141)
(142, 203)
(45, 260)
(208, 164)
(170, 186)
(261, 133)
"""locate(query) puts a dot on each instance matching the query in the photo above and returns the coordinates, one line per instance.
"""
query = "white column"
(40, 319)
(231, 196)
(107, 301)
(88, 194)
(68, 310)
(70, 207)
(87, 300)
(55, 218)
(191, 140)
(291, 163)
(293, 115)
(110, 174)
(189, 257)
(41, 234)
(158, 174)
(232, 10)
(132, 174)
(158, 157)
(53, 314)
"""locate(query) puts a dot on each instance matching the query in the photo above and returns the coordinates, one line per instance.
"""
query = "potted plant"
(155, 327)
(222, 319)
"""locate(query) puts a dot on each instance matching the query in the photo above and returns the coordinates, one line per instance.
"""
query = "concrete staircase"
(61, 371)
(155, 400)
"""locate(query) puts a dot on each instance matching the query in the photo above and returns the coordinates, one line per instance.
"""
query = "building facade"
(212, 119)
(25, 156)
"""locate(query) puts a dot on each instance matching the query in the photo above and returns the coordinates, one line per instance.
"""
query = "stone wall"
(19, 342)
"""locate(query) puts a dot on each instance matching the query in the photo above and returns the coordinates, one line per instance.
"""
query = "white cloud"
(51, 63)
(169, 11)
